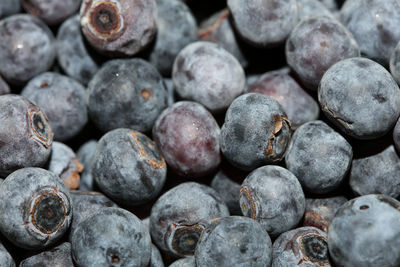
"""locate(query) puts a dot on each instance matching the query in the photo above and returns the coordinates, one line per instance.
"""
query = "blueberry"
(272, 196)
(86, 203)
(304, 246)
(224, 182)
(365, 232)
(315, 44)
(320, 211)
(25, 135)
(319, 157)
(311, 8)
(72, 54)
(169, 84)
(62, 99)
(37, 208)
(256, 132)
(27, 48)
(188, 137)
(332, 5)
(65, 164)
(4, 88)
(155, 259)
(85, 154)
(52, 12)
(265, 23)
(299, 106)
(126, 93)
(206, 73)
(360, 97)
(128, 167)
(5, 258)
(234, 241)
(374, 25)
(122, 27)
(179, 216)
(177, 28)
(218, 29)
(111, 237)
(184, 262)
(9, 7)
(59, 256)
(377, 174)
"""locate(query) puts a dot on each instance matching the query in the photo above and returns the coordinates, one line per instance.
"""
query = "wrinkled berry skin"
(208, 74)
(177, 28)
(5, 258)
(360, 97)
(72, 54)
(377, 174)
(256, 132)
(180, 215)
(272, 196)
(4, 88)
(319, 157)
(299, 106)
(365, 232)
(9, 7)
(311, 8)
(234, 241)
(62, 99)
(126, 93)
(374, 25)
(304, 246)
(320, 211)
(128, 167)
(65, 164)
(52, 12)
(27, 48)
(155, 259)
(37, 208)
(85, 204)
(25, 134)
(85, 154)
(59, 256)
(315, 44)
(122, 27)
(228, 190)
(218, 29)
(111, 237)
(188, 137)
(184, 262)
(264, 23)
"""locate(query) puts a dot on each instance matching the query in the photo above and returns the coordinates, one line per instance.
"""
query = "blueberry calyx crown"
(40, 130)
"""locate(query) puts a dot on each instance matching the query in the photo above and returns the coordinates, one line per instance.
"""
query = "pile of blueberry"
(150, 133)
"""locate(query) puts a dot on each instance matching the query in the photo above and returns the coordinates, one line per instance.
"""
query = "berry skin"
(27, 48)
(208, 74)
(272, 196)
(126, 93)
(52, 12)
(5, 258)
(155, 259)
(58, 256)
(25, 135)
(85, 154)
(256, 132)
(304, 246)
(4, 88)
(184, 262)
(37, 208)
(365, 232)
(62, 99)
(72, 54)
(123, 27)
(319, 157)
(111, 237)
(180, 215)
(360, 97)
(128, 167)
(234, 241)
(188, 137)
(9, 7)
